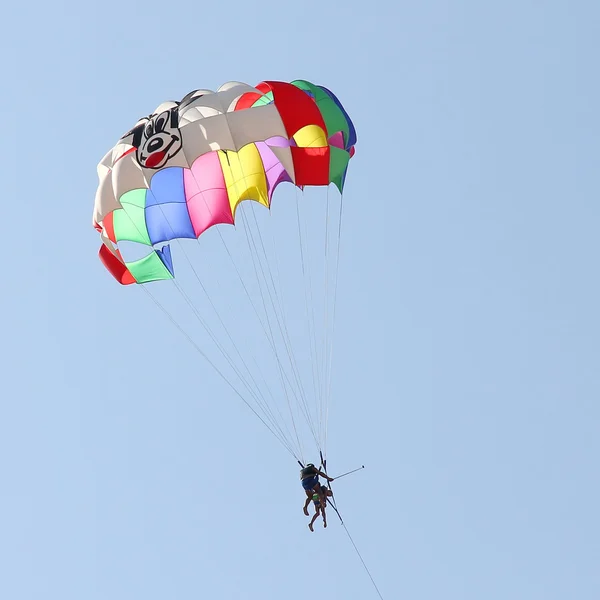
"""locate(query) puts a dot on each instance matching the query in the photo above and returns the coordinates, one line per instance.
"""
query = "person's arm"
(324, 475)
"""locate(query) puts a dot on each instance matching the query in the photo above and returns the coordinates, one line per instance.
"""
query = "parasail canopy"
(188, 165)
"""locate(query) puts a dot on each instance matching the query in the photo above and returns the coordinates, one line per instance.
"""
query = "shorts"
(310, 482)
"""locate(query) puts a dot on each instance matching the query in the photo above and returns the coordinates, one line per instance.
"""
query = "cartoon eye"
(161, 122)
(149, 131)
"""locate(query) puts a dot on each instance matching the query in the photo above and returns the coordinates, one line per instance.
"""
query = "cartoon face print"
(156, 138)
(159, 141)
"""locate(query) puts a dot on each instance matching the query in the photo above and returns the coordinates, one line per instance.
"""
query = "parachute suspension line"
(272, 310)
(335, 288)
(298, 374)
(309, 321)
(245, 288)
(283, 442)
(268, 332)
(265, 328)
(293, 363)
(251, 392)
(255, 260)
(311, 296)
(312, 355)
(307, 412)
(263, 405)
(270, 339)
(289, 350)
(320, 333)
(324, 397)
(256, 392)
(260, 383)
(313, 310)
(283, 329)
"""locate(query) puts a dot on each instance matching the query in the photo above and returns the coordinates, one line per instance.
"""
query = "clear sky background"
(467, 363)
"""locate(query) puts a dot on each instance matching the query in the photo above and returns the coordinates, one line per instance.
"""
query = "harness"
(308, 472)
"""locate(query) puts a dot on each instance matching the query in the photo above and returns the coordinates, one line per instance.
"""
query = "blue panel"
(165, 255)
(168, 221)
(352, 131)
(166, 186)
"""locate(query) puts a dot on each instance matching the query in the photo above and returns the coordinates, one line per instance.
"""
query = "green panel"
(332, 115)
(338, 161)
(130, 224)
(135, 197)
(338, 164)
(149, 268)
(338, 183)
(266, 99)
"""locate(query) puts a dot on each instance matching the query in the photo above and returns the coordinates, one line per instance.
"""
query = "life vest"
(307, 472)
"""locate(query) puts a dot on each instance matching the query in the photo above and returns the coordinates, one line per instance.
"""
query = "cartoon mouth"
(157, 157)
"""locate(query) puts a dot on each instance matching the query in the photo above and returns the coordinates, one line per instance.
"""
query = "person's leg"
(307, 486)
(305, 509)
(321, 491)
(310, 525)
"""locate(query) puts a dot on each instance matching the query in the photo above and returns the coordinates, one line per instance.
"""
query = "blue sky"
(465, 372)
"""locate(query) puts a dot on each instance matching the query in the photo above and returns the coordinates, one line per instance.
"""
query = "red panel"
(294, 105)
(129, 151)
(115, 267)
(247, 100)
(311, 165)
(109, 227)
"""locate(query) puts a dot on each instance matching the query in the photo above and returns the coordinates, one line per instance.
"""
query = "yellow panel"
(310, 136)
(244, 176)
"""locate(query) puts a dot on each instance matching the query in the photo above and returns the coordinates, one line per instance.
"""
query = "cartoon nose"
(155, 144)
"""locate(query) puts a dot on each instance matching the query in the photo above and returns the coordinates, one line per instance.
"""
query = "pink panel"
(206, 194)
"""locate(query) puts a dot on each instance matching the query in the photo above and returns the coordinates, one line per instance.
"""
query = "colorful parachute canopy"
(189, 164)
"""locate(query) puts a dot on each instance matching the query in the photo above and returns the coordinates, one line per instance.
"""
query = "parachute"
(185, 169)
